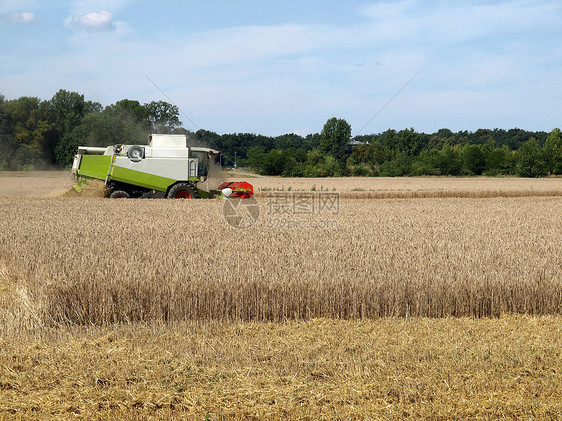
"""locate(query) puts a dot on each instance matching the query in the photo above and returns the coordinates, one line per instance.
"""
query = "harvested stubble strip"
(451, 368)
(408, 184)
(467, 194)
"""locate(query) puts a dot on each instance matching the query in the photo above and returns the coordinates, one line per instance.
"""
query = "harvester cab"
(166, 167)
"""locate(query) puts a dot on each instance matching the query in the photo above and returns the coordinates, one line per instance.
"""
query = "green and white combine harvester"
(165, 168)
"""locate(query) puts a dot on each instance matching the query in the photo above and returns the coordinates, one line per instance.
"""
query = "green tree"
(530, 162)
(274, 162)
(496, 159)
(552, 151)
(397, 167)
(256, 157)
(449, 160)
(473, 160)
(288, 141)
(66, 148)
(24, 133)
(27, 158)
(125, 122)
(361, 154)
(206, 138)
(64, 111)
(5, 141)
(22, 116)
(334, 139)
(389, 140)
(162, 117)
(426, 163)
(410, 142)
(136, 112)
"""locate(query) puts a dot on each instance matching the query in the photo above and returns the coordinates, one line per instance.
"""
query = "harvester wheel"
(119, 194)
(182, 191)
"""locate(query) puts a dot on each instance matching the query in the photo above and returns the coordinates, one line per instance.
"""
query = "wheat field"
(99, 262)
(444, 185)
(423, 307)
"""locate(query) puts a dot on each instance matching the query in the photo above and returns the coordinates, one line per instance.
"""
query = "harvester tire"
(182, 191)
(119, 194)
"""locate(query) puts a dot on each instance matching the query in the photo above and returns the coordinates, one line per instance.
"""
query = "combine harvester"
(165, 168)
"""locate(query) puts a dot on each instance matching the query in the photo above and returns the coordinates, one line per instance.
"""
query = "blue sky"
(273, 67)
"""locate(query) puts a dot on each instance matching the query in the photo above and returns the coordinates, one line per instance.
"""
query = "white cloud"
(483, 65)
(93, 21)
(19, 17)
(449, 22)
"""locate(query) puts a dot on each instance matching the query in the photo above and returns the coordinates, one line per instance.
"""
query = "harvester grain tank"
(166, 167)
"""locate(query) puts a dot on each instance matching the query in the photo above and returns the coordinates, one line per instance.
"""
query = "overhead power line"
(388, 102)
(170, 99)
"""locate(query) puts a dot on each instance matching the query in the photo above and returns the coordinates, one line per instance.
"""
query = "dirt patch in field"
(35, 184)
(46, 184)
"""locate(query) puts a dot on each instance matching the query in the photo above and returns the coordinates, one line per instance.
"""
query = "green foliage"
(41, 133)
(410, 142)
(530, 160)
(498, 161)
(473, 160)
(67, 147)
(335, 137)
(360, 170)
(26, 157)
(162, 117)
(23, 136)
(36, 134)
(397, 167)
(553, 152)
(425, 163)
(66, 110)
(449, 160)
(273, 162)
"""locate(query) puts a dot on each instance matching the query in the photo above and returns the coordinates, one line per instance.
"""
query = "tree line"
(36, 134)
(40, 134)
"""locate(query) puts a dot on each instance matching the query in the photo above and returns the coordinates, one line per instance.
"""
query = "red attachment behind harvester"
(240, 189)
